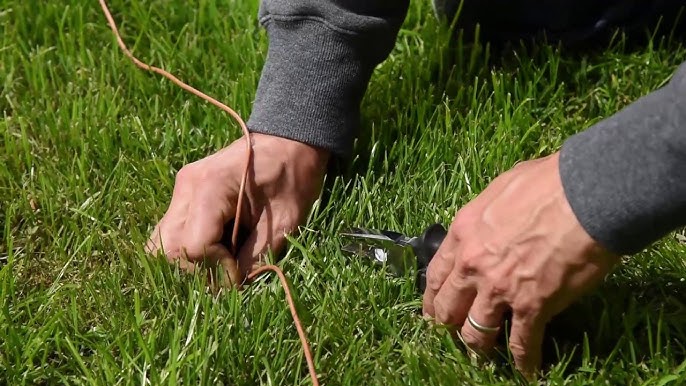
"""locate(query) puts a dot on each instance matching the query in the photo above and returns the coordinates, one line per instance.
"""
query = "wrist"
(303, 155)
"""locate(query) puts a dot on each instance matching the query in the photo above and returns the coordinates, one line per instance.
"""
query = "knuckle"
(462, 222)
(468, 264)
(290, 219)
(434, 279)
(186, 174)
(471, 339)
(459, 281)
(194, 250)
(495, 286)
(203, 176)
(528, 309)
(519, 165)
(441, 311)
(438, 271)
(159, 239)
(518, 350)
(195, 173)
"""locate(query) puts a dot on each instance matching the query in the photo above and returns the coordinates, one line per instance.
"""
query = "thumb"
(222, 267)
(267, 235)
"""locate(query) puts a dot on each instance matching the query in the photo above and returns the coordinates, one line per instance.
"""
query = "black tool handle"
(428, 245)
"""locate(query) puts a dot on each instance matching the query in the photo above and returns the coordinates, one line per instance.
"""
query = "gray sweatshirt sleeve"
(320, 58)
(625, 177)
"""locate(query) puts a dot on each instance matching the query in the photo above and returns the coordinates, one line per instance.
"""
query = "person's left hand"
(517, 246)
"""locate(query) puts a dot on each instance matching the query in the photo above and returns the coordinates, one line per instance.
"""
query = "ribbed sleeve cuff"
(311, 86)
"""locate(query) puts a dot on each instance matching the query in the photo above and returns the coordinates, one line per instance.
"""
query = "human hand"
(284, 181)
(516, 246)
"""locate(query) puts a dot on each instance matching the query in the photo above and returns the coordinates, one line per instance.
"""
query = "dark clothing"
(575, 23)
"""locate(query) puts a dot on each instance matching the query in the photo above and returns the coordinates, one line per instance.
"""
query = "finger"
(186, 265)
(204, 227)
(223, 268)
(437, 272)
(453, 300)
(443, 263)
(231, 275)
(268, 235)
(153, 245)
(486, 314)
(176, 212)
(526, 339)
(167, 230)
(166, 238)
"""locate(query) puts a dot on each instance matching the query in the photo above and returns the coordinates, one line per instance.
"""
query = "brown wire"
(234, 237)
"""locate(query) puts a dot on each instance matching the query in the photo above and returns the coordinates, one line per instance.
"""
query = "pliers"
(398, 253)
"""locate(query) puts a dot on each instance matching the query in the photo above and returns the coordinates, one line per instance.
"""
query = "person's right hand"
(284, 180)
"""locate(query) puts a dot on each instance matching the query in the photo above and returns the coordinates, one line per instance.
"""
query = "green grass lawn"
(89, 148)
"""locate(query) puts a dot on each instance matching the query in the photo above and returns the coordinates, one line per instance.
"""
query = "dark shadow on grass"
(505, 39)
(622, 317)
(481, 40)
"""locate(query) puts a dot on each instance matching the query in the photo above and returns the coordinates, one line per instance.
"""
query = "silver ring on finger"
(480, 328)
